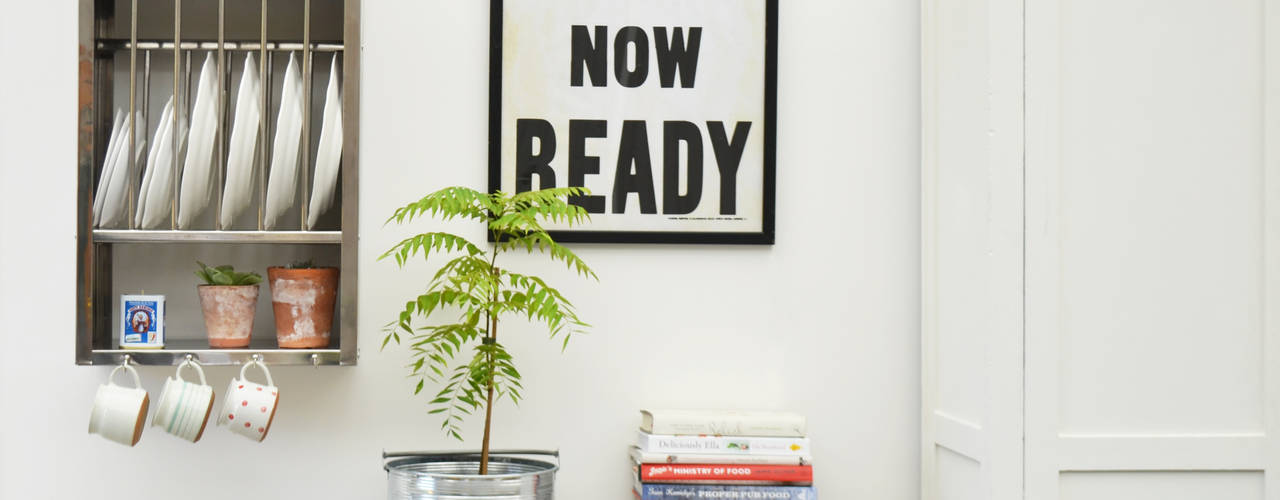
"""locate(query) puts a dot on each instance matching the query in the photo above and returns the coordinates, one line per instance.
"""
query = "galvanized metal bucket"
(456, 476)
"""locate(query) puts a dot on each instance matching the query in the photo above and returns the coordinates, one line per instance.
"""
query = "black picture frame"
(764, 237)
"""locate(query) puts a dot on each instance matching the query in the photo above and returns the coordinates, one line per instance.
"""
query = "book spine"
(661, 473)
(721, 492)
(723, 444)
(726, 425)
(644, 457)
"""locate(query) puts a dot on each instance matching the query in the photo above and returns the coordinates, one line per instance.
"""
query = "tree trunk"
(488, 406)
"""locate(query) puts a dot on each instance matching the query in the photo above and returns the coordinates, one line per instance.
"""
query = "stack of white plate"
(155, 194)
(109, 200)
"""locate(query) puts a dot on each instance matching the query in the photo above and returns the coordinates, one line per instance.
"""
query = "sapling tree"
(464, 356)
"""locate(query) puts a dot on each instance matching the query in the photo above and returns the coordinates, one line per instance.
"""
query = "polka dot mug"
(249, 407)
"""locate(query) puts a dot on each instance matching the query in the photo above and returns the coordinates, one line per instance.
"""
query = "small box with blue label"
(142, 321)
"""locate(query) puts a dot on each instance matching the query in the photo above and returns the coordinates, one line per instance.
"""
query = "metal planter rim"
(397, 459)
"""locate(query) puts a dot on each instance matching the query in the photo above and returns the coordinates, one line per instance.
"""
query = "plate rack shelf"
(135, 54)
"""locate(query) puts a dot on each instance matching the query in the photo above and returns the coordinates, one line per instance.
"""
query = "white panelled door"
(1101, 296)
(1151, 249)
(972, 250)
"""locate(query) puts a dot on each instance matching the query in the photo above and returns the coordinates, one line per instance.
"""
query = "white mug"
(183, 409)
(118, 411)
(250, 407)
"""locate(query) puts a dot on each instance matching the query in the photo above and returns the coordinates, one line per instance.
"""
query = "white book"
(722, 423)
(651, 457)
(737, 445)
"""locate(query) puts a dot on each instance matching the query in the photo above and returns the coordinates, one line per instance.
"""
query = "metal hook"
(127, 359)
(189, 357)
(315, 360)
(256, 358)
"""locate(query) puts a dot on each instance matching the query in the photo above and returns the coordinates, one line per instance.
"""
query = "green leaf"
(447, 203)
(428, 243)
(222, 278)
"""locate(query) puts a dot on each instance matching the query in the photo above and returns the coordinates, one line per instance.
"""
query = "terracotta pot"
(303, 300)
(228, 313)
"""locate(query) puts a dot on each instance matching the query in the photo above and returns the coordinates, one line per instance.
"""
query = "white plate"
(153, 160)
(108, 161)
(165, 118)
(284, 157)
(160, 188)
(329, 151)
(244, 139)
(196, 172)
(113, 205)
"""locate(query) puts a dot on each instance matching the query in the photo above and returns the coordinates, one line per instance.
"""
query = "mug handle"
(261, 365)
(193, 364)
(137, 383)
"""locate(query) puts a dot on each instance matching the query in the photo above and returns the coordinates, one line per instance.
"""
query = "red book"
(680, 473)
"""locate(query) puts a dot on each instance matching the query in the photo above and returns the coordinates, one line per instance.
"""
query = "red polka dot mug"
(249, 407)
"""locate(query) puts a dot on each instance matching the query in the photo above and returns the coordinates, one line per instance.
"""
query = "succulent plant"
(302, 264)
(225, 275)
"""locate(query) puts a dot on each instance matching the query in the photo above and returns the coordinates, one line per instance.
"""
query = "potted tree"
(477, 293)
(302, 299)
(228, 300)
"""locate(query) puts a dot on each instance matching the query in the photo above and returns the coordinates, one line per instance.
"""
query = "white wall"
(824, 322)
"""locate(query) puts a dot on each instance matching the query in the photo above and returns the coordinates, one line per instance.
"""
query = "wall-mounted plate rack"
(135, 54)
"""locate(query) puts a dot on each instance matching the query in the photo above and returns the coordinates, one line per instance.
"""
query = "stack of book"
(725, 455)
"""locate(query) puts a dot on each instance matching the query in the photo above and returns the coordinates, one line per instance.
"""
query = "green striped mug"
(184, 407)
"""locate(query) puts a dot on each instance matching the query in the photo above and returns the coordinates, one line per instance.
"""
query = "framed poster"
(663, 109)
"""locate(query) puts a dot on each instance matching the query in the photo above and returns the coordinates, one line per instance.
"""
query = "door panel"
(1161, 486)
(1148, 276)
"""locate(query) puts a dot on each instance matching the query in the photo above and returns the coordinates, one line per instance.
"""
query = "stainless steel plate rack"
(143, 35)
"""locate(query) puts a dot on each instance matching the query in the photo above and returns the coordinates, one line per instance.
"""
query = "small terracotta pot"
(303, 300)
(228, 313)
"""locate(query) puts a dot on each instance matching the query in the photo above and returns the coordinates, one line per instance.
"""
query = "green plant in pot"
(464, 354)
(302, 299)
(228, 300)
